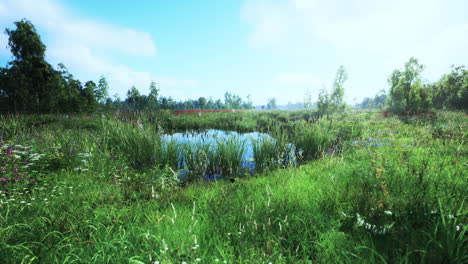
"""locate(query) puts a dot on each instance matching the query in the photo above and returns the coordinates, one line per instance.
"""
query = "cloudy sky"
(265, 48)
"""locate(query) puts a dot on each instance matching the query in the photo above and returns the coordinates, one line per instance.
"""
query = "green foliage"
(271, 105)
(31, 84)
(324, 101)
(334, 102)
(101, 91)
(451, 91)
(407, 92)
(308, 100)
(378, 102)
(153, 96)
(337, 96)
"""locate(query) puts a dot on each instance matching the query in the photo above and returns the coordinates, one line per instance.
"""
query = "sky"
(264, 48)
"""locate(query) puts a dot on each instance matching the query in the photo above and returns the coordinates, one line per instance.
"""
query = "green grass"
(229, 155)
(106, 192)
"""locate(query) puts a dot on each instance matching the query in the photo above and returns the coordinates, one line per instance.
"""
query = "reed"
(139, 146)
(230, 155)
(270, 154)
(311, 139)
(197, 159)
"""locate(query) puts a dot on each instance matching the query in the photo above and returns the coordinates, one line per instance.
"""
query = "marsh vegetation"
(363, 188)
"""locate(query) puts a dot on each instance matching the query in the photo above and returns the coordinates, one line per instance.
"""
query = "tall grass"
(311, 139)
(197, 158)
(229, 155)
(139, 146)
(171, 154)
(396, 194)
(270, 154)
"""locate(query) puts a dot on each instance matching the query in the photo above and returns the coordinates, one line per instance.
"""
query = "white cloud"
(299, 79)
(51, 16)
(84, 45)
(270, 23)
(376, 36)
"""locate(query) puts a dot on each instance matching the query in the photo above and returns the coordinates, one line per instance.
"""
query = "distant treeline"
(410, 94)
(29, 83)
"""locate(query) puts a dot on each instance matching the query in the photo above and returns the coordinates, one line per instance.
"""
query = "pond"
(216, 153)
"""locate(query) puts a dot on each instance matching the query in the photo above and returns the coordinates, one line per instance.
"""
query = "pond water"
(213, 138)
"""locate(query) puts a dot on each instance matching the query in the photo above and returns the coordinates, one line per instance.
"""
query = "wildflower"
(198, 259)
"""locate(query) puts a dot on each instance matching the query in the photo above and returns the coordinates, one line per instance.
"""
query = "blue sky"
(276, 48)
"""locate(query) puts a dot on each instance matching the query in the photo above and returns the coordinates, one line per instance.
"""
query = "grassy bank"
(370, 189)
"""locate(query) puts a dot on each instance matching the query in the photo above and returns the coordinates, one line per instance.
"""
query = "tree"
(308, 100)
(407, 93)
(153, 96)
(248, 103)
(202, 102)
(334, 102)
(451, 91)
(271, 105)
(133, 98)
(27, 80)
(228, 100)
(101, 91)
(88, 95)
(30, 83)
(219, 104)
(378, 102)
(324, 101)
(337, 96)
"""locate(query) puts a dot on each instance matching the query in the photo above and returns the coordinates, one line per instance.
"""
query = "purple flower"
(3, 179)
(32, 180)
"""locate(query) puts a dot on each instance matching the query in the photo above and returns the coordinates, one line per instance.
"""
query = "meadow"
(360, 187)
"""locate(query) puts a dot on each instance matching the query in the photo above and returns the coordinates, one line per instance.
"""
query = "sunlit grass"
(394, 194)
